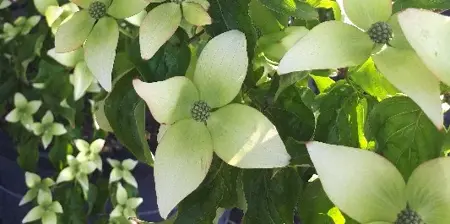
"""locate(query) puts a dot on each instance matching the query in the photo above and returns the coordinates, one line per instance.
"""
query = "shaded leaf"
(403, 134)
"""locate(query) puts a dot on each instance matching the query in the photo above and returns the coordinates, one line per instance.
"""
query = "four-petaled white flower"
(45, 211)
(202, 121)
(162, 22)
(48, 128)
(94, 27)
(374, 32)
(90, 152)
(37, 187)
(125, 206)
(24, 111)
(122, 171)
(78, 171)
(370, 189)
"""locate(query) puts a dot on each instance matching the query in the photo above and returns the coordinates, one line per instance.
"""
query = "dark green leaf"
(102, 196)
(314, 205)
(71, 199)
(28, 150)
(61, 147)
(424, 4)
(294, 8)
(92, 197)
(126, 114)
(403, 134)
(218, 190)
(342, 113)
(263, 19)
(231, 14)
(271, 195)
(290, 115)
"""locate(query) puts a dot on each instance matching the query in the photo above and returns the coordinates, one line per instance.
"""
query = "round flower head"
(200, 121)
(368, 26)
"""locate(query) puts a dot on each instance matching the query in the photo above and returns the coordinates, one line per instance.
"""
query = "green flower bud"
(380, 33)
(200, 111)
(97, 10)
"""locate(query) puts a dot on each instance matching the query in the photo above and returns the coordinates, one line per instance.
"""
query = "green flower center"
(408, 216)
(97, 10)
(380, 33)
(200, 111)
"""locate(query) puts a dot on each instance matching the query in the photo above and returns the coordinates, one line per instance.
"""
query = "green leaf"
(61, 147)
(217, 190)
(372, 81)
(126, 114)
(403, 134)
(314, 205)
(291, 116)
(271, 195)
(341, 116)
(28, 150)
(294, 8)
(431, 4)
(229, 15)
(263, 19)
(71, 199)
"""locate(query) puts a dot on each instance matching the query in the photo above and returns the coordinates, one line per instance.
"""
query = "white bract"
(95, 28)
(369, 188)
(45, 211)
(428, 33)
(125, 206)
(23, 111)
(162, 22)
(37, 188)
(202, 121)
(82, 78)
(335, 44)
(79, 171)
(48, 128)
(90, 152)
(122, 171)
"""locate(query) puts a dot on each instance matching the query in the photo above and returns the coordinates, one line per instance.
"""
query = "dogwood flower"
(24, 110)
(20, 26)
(48, 128)
(37, 187)
(82, 79)
(162, 22)
(202, 121)
(369, 189)
(90, 152)
(77, 170)
(122, 171)
(45, 211)
(125, 206)
(335, 44)
(56, 15)
(97, 32)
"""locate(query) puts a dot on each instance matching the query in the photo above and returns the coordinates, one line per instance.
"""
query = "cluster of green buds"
(47, 128)
(125, 206)
(78, 171)
(21, 26)
(90, 152)
(23, 111)
(122, 170)
(46, 208)
(38, 187)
